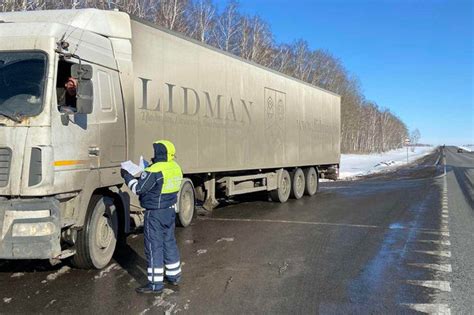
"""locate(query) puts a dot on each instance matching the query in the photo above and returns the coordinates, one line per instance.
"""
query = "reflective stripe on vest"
(172, 175)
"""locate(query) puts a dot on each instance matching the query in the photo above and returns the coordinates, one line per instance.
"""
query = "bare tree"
(415, 136)
(201, 20)
(282, 59)
(171, 14)
(256, 40)
(228, 28)
(145, 9)
(302, 60)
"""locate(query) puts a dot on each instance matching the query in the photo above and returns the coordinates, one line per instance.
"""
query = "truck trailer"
(238, 128)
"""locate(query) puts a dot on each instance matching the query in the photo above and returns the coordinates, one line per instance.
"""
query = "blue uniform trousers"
(161, 250)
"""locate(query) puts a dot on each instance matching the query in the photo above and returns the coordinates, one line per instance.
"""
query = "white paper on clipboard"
(133, 168)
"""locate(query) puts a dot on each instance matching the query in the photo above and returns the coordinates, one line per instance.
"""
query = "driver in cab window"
(67, 95)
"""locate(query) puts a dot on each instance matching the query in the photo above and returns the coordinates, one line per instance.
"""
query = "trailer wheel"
(282, 193)
(312, 181)
(297, 183)
(96, 241)
(185, 204)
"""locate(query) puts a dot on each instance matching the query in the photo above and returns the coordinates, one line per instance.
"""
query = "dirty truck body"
(238, 128)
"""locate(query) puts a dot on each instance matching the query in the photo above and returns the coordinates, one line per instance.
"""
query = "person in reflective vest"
(158, 188)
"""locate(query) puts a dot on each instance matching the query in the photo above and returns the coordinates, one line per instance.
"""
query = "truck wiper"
(13, 117)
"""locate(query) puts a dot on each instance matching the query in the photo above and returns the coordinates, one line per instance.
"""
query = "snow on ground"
(105, 271)
(58, 273)
(353, 165)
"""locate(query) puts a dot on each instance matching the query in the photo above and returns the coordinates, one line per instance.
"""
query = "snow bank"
(353, 165)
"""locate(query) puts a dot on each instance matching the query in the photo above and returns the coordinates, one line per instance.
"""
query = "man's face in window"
(71, 86)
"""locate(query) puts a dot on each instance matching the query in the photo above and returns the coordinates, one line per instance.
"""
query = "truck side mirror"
(85, 97)
(85, 91)
(80, 71)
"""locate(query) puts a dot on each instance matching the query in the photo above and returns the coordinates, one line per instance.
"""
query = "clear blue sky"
(414, 57)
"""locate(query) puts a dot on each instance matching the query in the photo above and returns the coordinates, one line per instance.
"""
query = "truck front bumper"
(29, 229)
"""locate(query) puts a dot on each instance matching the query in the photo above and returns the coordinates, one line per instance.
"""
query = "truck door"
(111, 118)
(75, 137)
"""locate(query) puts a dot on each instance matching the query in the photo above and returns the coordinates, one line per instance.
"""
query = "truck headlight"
(33, 229)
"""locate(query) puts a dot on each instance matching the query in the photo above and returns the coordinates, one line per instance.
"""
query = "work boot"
(174, 282)
(148, 289)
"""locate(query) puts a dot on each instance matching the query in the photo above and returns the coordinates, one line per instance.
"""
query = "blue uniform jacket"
(149, 186)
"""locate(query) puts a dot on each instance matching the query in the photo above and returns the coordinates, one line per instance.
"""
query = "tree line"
(365, 126)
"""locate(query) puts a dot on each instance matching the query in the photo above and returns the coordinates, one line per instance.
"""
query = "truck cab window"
(66, 88)
(22, 80)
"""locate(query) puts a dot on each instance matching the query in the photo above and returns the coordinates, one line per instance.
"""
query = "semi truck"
(238, 128)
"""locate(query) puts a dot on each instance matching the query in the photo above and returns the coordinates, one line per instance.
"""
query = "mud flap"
(39, 235)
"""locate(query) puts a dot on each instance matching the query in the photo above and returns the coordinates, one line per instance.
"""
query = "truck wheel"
(186, 202)
(96, 242)
(297, 183)
(312, 181)
(282, 193)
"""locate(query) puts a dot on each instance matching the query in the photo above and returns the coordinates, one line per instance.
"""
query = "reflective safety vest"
(172, 175)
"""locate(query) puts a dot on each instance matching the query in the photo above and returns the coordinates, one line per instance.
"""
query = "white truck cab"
(59, 162)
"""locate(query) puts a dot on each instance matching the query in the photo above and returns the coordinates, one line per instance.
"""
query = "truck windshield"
(22, 79)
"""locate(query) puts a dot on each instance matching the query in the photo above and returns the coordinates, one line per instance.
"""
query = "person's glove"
(123, 173)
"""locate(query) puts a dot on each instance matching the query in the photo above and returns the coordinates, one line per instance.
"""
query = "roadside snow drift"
(353, 165)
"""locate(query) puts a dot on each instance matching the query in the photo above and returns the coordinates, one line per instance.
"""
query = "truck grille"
(5, 161)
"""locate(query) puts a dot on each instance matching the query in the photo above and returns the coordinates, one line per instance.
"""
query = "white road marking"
(434, 284)
(294, 222)
(421, 230)
(437, 233)
(437, 267)
(441, 253)
(440, 242)
(439, 309)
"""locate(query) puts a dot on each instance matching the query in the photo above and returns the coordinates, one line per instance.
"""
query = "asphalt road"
(398, 242)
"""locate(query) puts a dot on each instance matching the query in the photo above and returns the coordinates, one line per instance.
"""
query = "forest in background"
(365, 125)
